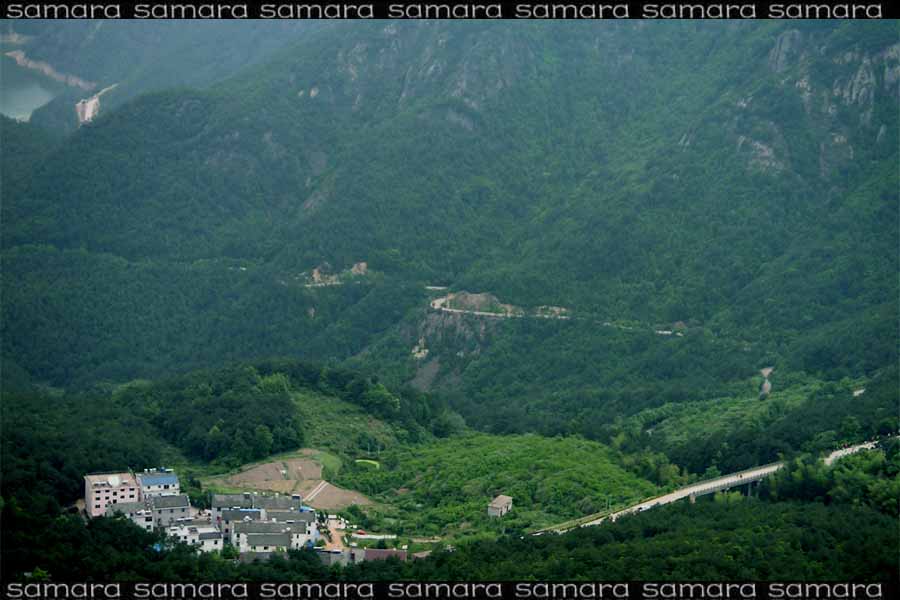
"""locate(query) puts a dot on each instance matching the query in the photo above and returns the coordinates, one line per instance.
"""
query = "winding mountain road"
(698, 489)
(701, 488)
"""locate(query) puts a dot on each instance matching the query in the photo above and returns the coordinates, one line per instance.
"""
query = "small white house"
(205, 536)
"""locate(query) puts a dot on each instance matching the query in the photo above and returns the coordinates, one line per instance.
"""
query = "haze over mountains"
(734, 178)
(138, 57)
(579, 264)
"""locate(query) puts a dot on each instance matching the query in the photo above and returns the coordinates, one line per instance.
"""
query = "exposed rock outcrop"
(787, 48)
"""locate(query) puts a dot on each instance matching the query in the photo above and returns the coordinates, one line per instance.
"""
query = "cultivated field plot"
(300, 473)
(332, 497)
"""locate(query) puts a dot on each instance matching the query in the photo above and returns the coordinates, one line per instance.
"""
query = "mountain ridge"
(548, 164)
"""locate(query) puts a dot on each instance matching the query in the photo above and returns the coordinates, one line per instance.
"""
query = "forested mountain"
(736, 180)
(677, 240)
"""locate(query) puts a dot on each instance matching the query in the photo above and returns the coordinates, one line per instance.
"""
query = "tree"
(262, 441)
(381, 401)
(216, 442)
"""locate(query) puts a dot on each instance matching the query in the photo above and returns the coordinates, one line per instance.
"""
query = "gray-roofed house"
(229, 516)
(303, 522)
(243, 533)
(265, 503)
(169, 509)
(268, 542)
(220, 502)
(293, 516)
(138, 512)
(210, 541)
(268, 503)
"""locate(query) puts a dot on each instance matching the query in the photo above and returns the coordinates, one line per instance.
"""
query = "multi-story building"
(138, 512)
(158, 482)
(169, 509)
(104, 489)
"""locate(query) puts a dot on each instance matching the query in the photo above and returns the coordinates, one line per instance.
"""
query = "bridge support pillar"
(693, 498)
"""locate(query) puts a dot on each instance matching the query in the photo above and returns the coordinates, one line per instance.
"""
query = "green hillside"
(445, 487)
(559, 164)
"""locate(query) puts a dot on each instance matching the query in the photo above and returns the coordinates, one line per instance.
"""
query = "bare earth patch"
(333, 497)
(292, 476)
(258, 475)
(303, 468)
(306, 486)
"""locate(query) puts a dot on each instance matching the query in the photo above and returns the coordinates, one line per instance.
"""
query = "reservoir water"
(23, 90)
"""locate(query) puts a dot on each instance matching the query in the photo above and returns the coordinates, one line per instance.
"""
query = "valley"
(482, 301)
(24, 90)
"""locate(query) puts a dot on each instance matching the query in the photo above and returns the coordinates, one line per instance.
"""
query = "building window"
(96, 506)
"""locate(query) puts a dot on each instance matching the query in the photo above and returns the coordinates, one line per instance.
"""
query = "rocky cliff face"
(842, 93)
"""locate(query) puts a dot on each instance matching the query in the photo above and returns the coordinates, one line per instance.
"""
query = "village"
(248, 526)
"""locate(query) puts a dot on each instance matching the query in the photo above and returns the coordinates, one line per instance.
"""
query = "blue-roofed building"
(158, 482)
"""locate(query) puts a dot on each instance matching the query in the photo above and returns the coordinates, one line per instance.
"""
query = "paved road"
(837, 454)
(698, 489)
(714, 485)
(337, 529)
